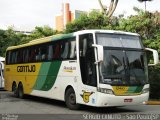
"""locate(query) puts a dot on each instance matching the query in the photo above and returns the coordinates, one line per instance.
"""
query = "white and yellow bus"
(92, 67)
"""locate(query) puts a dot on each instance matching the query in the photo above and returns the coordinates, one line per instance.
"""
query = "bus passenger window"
(50, 52)
(38, 54)
(13, 57)
(8, 61)
(20, 56)
(56, 54)
(73, 49)
(43, 53)
(32, 54)
(16, 57)
(25, 55)
(65, 48)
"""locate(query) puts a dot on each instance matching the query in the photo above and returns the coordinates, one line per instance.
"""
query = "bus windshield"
(119, 40)
(123, 64)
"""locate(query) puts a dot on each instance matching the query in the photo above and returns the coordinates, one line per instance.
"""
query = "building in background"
(66, 17)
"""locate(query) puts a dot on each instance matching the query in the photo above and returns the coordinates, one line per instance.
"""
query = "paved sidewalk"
(152, 103)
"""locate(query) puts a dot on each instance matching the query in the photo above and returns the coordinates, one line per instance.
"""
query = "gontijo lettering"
(26, 68)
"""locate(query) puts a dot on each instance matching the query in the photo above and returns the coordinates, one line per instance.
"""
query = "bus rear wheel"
(14, 89)
(20, 91)
(70, 99)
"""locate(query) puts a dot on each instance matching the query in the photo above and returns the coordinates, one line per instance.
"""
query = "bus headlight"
(146, 90)
(106, 91)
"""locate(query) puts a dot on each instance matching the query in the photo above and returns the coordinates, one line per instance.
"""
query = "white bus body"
(98, 68)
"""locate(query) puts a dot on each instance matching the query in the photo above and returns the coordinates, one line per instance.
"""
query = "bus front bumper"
(107, 100)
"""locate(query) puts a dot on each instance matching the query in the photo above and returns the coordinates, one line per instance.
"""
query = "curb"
(152, 103)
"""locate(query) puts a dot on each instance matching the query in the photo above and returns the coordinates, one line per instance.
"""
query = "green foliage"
(7, 38)
(40, 32)
(11, 38)
(93, 20)
(154, 79)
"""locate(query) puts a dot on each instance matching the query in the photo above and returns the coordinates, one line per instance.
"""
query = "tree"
(10, 38)
(7, 38)
(112, 7)
(93, 20)
(44, 31)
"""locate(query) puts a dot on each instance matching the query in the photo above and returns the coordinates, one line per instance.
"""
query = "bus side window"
(25, 55)
(73, 50)
(57, 50)
(8, 61)
(65, 48)
(32, 54)
(38, 54)
(50, 52)
(68, 48)
(19, 56)
(14, 57)
(44, 53)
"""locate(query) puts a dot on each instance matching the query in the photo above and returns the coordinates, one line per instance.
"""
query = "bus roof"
(63, 36)
(106, 31)
(42, 40)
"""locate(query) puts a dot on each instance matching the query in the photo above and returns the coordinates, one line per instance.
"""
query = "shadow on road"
(10, 98)
(83, 108)
(44, 100)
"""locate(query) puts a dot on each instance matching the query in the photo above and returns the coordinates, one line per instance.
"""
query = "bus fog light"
(106, 91)
(146, 90)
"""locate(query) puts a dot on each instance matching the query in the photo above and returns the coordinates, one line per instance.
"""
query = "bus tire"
(70, 99)
(20, 91)
(15, 90)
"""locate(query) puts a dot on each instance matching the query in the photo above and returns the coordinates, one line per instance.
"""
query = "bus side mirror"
(155, 56)
(99, 52)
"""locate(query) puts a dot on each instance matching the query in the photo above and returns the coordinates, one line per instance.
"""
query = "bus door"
(88, 69)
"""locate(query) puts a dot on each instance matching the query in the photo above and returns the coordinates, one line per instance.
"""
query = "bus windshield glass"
(118, 40)
(123, 64)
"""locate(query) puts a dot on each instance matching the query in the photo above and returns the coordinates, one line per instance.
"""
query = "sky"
(27, 14)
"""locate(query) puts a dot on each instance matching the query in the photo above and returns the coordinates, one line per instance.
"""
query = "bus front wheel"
(70, 99)
(20, 91)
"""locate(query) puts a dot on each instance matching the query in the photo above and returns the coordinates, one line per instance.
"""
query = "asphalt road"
(41, 108)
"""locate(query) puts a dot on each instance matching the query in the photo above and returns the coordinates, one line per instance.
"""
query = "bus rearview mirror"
(99, 52)
(155, 56)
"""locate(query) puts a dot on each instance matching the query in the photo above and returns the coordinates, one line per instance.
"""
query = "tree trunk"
(102, 7)
(112, 7)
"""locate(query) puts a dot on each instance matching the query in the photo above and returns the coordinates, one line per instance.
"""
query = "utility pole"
(145, 3)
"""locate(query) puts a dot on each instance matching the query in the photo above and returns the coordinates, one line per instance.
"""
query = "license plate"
(128, 100)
